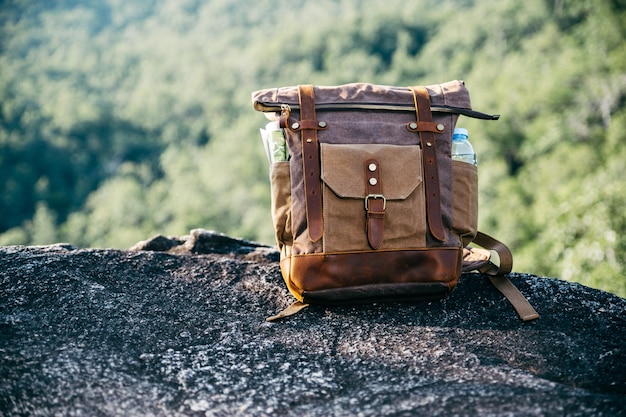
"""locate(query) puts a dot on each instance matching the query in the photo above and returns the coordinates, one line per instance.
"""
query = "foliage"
(124, 119)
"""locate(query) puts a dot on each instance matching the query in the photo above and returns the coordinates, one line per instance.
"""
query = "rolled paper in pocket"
(274, 142)
(278, 146)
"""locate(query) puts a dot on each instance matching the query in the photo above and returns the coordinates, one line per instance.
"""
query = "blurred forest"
(122, 119)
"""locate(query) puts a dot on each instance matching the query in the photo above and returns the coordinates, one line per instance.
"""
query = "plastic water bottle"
(462, 149)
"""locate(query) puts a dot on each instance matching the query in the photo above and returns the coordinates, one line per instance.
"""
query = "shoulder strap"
(500, 281)
(506, 258)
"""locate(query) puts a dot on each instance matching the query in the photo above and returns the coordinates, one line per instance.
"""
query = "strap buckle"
(374, 196)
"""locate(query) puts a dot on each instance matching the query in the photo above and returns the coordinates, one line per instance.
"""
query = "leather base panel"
(362, 274)
(421, 291)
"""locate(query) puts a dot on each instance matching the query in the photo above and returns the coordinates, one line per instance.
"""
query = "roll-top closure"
(452, 93)
(448, 97)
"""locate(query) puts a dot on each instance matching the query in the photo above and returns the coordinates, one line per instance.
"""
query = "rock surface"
(176, 327)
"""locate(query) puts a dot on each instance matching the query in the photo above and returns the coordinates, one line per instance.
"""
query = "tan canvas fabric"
(465, 200)
(344, 178)
(280, 186)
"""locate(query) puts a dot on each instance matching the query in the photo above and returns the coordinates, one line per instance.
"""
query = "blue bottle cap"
(461, 131)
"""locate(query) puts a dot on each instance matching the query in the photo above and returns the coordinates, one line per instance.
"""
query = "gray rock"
(207, 241)
(178, 331)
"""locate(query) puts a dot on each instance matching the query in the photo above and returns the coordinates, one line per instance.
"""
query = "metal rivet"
(429, 144)
(372, 167)
(295, 125)
(413, 125)
(309, 140)
(373, 181)
(440, 127)
(322, 124)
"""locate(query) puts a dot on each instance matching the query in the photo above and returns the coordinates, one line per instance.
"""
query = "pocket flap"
(343, 169)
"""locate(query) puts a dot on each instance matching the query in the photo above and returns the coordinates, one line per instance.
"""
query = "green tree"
(124, 119)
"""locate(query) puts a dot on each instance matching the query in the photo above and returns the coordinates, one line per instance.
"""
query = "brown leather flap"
(400, 169)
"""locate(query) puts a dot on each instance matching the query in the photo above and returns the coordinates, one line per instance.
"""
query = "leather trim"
(419, 291)
(431, 171)
(311, 164)
(316, 272)
(285, 269)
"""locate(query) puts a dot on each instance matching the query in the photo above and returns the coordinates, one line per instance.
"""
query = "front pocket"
(464, 200)
(345, 188)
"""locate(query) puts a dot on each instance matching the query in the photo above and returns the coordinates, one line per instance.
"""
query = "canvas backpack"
(367, 203)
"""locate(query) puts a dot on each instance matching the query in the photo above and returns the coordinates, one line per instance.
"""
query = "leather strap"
(506, 258)
(500, 281)
(374, 204)
(426, 127)
(515, 297)
(431, 171)
(289, 311)
(311, 163)
(308, 124)
(474, 259)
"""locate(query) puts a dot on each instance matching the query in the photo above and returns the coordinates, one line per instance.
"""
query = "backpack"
(366, 201)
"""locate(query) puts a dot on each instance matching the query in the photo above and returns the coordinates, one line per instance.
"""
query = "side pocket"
(280, 182)
(464, 200)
